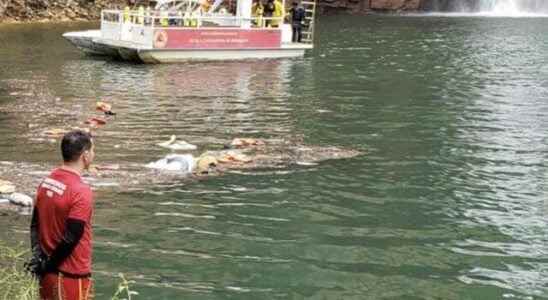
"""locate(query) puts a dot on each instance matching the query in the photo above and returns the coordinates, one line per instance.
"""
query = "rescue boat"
(187, 30)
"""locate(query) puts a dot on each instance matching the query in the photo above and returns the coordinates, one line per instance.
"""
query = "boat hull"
(84, 40)
(92, 43)
(174, 56)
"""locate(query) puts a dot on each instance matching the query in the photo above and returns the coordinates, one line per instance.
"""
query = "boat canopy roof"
(184, 4)
(172, 4)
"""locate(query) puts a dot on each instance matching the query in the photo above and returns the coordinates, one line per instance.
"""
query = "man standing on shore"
(60, 229)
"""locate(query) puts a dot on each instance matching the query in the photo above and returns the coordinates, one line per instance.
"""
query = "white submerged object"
(186, 30)
(20, 199)
(173, 144)
(184, 163)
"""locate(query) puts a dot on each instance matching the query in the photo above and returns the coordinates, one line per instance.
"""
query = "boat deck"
(140, 47)
(297, 46)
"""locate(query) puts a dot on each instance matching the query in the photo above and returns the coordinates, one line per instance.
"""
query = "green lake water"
(448, 201)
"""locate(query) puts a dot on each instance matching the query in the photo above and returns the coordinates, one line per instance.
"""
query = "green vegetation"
(15, 282)
(124, 289)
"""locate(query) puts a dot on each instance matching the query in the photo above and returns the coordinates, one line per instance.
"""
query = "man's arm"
(34, 239)
(36, 264)
(74, 229)
(40, 262)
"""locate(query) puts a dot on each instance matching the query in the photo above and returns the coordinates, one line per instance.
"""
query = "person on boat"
(232, 6)
(297, 13)
(164, 17)
(268, 12)
(172, 18)
(127, 12)
(141, 15)
(130, 10)
(60, 230)
(278, 13)
(205, 5)
(148, 15)
(186, 19)
(195, 20)
(257, 11)
(179, 21)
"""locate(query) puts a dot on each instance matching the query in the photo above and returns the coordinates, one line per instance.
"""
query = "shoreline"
(44, 21)
(328, 12)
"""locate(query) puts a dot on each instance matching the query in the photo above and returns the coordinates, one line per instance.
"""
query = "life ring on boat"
(160, 39)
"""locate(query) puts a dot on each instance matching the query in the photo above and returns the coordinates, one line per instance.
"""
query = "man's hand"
(37, 265)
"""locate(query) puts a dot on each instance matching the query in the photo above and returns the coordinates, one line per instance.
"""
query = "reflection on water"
(449, 201)
(201, 103)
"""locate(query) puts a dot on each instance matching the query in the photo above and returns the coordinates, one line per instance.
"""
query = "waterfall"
(491, 7)
(499, 6)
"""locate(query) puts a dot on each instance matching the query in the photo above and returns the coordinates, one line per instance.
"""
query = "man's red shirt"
(63, 195)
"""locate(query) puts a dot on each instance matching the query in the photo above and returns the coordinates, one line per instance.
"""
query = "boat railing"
(111, 24)
(155, 19)
(139, 28)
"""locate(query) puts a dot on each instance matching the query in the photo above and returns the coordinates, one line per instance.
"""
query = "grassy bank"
(15, 283)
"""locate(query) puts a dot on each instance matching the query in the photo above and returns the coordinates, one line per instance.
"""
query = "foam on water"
(482, 14)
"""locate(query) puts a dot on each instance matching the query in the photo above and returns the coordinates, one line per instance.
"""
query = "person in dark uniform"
(297, 21)
(268, 12)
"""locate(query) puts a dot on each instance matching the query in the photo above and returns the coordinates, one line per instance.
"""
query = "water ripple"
(447, 202)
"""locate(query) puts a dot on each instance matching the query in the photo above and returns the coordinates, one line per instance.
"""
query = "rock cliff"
(395, 4)
(52, 10)
(67, 10)
(362, 6)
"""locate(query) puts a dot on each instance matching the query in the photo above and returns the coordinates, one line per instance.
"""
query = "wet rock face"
(364, 6)
(54, 10)
(66, 10)
(3, 6)
(450, 5)
(395, 4)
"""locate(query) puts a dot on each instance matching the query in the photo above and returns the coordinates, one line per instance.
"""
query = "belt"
(73, 276)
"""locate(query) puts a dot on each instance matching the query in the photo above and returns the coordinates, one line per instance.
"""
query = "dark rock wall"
(66, 10)
(361, 6)
(450, 5)
(54, 10)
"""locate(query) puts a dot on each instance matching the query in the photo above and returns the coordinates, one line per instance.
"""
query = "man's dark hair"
(74, 144)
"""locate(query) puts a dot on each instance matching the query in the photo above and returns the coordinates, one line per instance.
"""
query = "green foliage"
(15, 282)
(124, 289)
